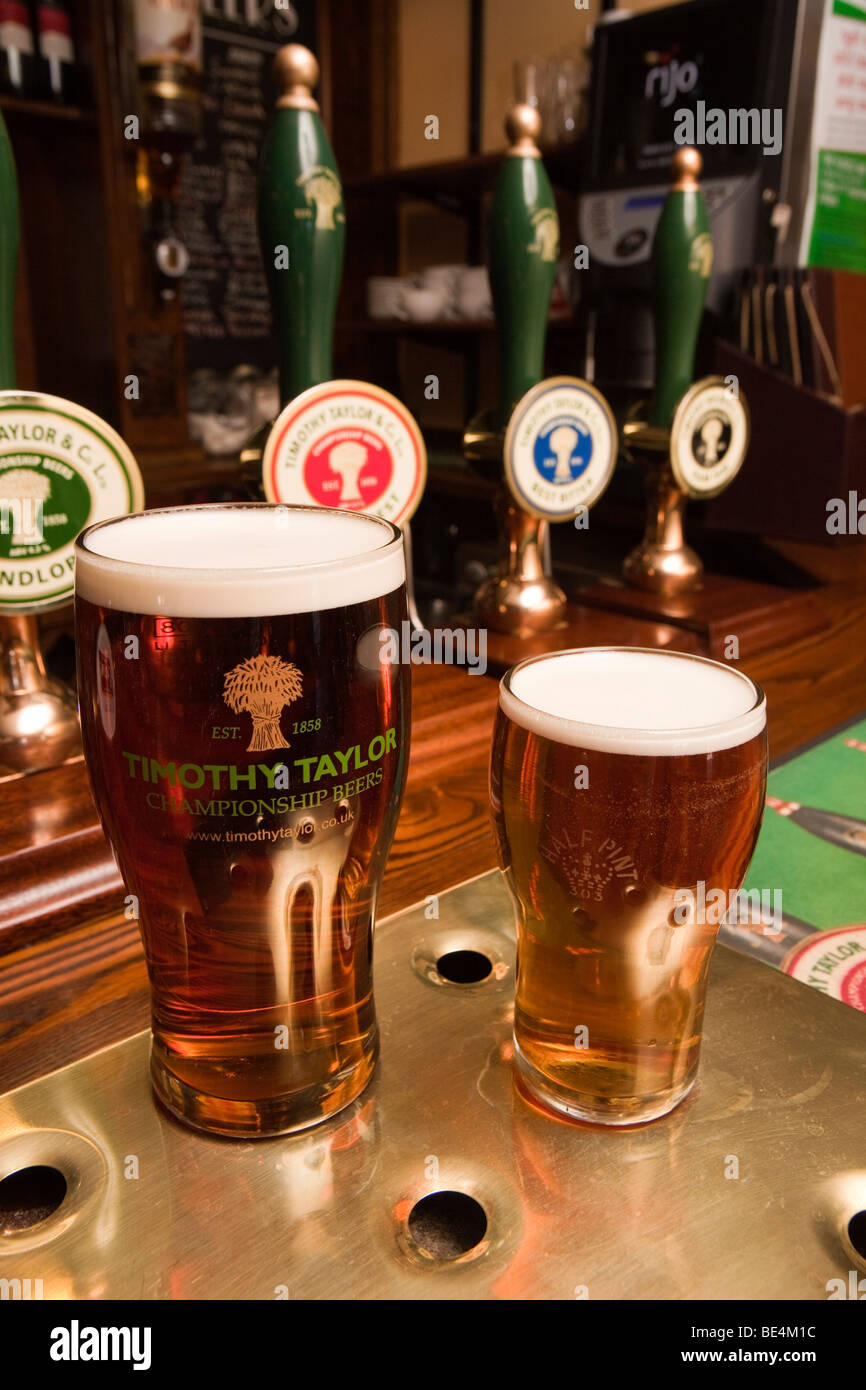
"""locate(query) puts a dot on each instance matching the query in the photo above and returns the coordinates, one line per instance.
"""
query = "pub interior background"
(202, 344)
(141, 295)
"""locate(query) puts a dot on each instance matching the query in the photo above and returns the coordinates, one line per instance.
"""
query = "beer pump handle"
(8, 259)
(302, 225)
(38, 717)
(521, 599)
(683, 257)
(524, 245)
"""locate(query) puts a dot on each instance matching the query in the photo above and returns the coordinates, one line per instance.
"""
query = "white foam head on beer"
(632, 700)
(238, 561)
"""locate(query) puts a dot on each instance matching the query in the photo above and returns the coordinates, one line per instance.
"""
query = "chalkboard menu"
(227, 318)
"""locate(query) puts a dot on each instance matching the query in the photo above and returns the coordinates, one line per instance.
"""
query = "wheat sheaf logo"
(546, 241)
(23, 493)
(262, 686)
(701, 255)
(322, 188)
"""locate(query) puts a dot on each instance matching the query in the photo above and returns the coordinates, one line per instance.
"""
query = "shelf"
(438, 326)
(442, 327)
(461, 180)
(44, 109)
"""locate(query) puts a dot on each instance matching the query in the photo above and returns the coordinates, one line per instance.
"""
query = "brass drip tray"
(441, 1182)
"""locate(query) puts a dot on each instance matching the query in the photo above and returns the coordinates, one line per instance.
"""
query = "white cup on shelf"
(425, 303)
(474, 297)
(446, 279)
(386, 296)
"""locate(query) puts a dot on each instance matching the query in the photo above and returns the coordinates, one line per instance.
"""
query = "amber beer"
(626, 785)
(248, 760)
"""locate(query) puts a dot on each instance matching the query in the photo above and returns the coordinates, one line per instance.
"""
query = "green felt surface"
(821, 883)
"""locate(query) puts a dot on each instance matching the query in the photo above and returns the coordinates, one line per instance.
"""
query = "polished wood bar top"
(69, 987)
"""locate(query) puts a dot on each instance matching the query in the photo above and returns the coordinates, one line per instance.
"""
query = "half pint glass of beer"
(247, 758)
(627, 788)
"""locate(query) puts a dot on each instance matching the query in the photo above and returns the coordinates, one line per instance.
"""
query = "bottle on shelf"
(168, 46)
(56, 62)
(17, 49)
(168, 50)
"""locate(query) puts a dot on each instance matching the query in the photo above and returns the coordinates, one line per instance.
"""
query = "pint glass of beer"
(247, 757)
(627, 788)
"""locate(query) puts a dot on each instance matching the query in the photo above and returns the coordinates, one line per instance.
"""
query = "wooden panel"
(758, 615)
(56, 868)
(64, 255)
(361, 95)
(804, 450)
(433, 79)
(25, 346)
(850, 340)
(588, 627)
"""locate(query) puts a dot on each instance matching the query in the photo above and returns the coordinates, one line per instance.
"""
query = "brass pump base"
(520, 609)
(662, 563)
(662, 571)
(38, 715)
(522, 599)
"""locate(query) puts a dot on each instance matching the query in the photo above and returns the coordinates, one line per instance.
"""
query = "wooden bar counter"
(72, 973)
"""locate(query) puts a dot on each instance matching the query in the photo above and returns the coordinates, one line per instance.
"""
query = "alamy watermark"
(77, 1343)
(20, 1290)
(714, 125)
(439, 646)
(711, 125)
(846, 516)
(750, 907)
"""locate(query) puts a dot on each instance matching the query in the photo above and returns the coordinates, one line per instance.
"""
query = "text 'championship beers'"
(248, 752)
(627, 786)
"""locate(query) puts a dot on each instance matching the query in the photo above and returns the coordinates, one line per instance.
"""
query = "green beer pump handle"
(683, 259)
(524, 245)
(8, 259)
(302, 225)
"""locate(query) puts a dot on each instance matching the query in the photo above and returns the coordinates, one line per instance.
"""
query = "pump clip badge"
(61, 469)
(346, 444)
(709, 438)
(560, 448)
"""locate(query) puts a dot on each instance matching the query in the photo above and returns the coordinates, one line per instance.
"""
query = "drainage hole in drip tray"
(464, 967)
(447, 1224)
(857, 1232)
(29, 1196)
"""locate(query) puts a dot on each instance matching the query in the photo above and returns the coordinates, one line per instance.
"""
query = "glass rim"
(719, 726)
(393, 541)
